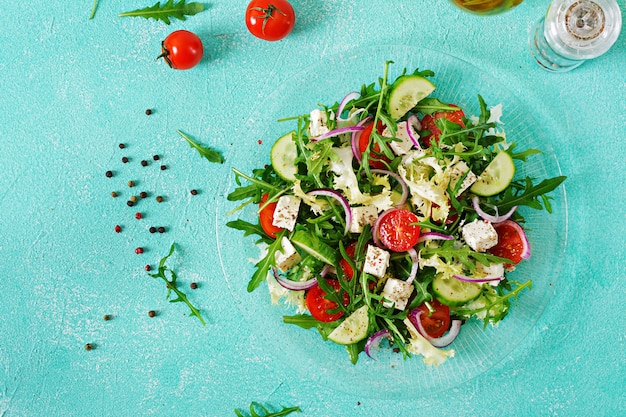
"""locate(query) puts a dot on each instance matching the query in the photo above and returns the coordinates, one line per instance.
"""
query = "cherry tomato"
(182, 50)
(266, 217)
(319, 306)
(375, 157)
(510, 242)
(437, 323)
(396, 232)
(270, 20)
(428, 123)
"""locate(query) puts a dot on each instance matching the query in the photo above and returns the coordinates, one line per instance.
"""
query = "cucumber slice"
(406, 92)
(312, 245)
(496, 177)
(452, 292)
(352, 329)
(283, 156)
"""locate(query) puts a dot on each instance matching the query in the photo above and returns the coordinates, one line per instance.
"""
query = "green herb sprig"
(210, 154)
(172, 286)
(254, 406)
(167, 11)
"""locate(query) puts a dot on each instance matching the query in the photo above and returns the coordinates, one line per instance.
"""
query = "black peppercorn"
(124, 159)
(163, 167)
(193, 285)
(161, 229)
(143, 194)
(155, 157)
(148, 112)
(122, 146)
(106, 317)
(129, 203)
(151, 313)
(144, 163)
(194, 192)
(109, 174)
(152, 229)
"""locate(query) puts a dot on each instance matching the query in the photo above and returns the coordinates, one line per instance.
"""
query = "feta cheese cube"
(362, 216)
(491, 271)
(376, 261)
(480, 235)
(404, 144)
(319, 123)
(286, 212)
(397, 293)
(289, 257)
(458, 170)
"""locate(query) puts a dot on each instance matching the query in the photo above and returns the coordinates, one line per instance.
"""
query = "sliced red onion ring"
(348, 98)
(373, 342)
(433, 236)
(489, 217)
(356, 147)
(522, 233)
(415, 316)
(294, 285)
(414, 122)
(376, 227)
(398, 178)
(465, 278)
(414, 265)
(335, 132)
(341, 199)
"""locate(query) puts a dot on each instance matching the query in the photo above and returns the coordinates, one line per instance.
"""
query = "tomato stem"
(267, 14)
(165, 55)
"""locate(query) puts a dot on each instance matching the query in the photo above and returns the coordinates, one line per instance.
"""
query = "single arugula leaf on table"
(254, 406)
(172, 286)
(210, 154)
(167, 11)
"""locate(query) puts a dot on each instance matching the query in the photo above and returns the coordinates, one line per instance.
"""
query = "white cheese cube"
(458, 170)
(289, 257)
(362, 216)
(397, 293)
(491, 271)
(319, 123)
(286, 212)
(405, 143)
(480, 235)
(376, 261)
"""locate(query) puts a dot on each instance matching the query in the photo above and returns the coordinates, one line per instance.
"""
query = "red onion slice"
(376, 228)
(489, 217)
(415, 316)
(398, 178)
(294, 285)
(465, 278)
(341, 199)
(414, 265)
(433, 236)
(414, 122)
(348, 98)
(373, 342)
(522, 233)
(356, 136)
(335, 132)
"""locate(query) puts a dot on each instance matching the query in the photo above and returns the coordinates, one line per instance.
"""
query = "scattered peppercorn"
(118, 228)
(122, 146)
(139, 251)
(144, 163)
(194, 192)
(151, 313)
(106, 317)
(152, 229)
(124, 159)
(138, 216)
(143, 194)
(155, 157)
(113, 194)
(159, 199)
(193, 285)
(148, 112)
(109, 174)
(133, 198)
(163, 167)
(131, 184)
(88, 346)
(260, 142)
(147, 268)
(161, 229)
(130, 203)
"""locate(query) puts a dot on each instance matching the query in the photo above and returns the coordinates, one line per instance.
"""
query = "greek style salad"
(392, 216)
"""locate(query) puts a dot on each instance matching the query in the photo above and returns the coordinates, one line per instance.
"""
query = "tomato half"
(428, 123)
(396, 232)
(319, 306)
(182, 50)
(511, 243)
(437, 323)
(266, 217)
(375, 157)
(270, 20)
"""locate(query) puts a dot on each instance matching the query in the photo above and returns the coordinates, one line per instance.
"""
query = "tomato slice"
(510, 244)
(396, 232)
(428, 123)
(437, 323)
(319, 306)
(376, 159)
(266, 217)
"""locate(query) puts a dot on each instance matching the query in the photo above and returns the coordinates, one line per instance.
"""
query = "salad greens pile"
(383, 217)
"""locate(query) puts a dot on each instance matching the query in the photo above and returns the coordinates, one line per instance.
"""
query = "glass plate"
(390, 376)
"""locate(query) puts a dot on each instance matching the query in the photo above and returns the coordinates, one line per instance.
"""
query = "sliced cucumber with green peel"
(406, 92)
(283, 156)
(353, 329)
(453, 292)
(496, 177)
(312, 245)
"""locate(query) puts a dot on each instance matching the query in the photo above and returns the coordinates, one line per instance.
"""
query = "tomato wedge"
(376, 159)
(428, 123)
(511, 243)
(319, 305)
(437, 323)
(266, 217)
(396, 232)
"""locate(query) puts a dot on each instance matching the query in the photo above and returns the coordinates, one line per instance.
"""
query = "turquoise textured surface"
(72, 89)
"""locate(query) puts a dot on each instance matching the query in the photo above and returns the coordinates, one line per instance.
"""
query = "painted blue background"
(71, 89)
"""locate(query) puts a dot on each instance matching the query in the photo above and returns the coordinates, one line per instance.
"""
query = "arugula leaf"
(172, 286)
(254, 406)
(93, 9)
(431, 105)
(463, 255)
(264, 264)
(528, 194)
(166, 11)
(210, 154)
